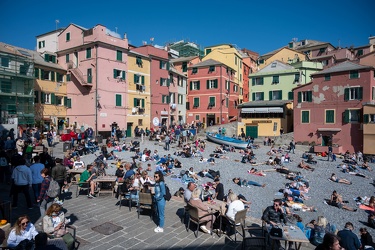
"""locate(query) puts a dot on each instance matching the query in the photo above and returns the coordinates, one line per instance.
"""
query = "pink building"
(212, 94)
(96, 63)
(328, 110)
(160, 82)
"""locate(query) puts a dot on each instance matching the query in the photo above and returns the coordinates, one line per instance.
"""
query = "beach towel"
(364, 207)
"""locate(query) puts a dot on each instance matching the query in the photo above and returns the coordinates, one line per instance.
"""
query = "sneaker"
(90, 196)
(204, 229)
(40, 223)
(158, 230)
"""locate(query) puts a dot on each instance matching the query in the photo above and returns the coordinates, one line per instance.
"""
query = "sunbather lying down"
(334, 178)
(303, 165)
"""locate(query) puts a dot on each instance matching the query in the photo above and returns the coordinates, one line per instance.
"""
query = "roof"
(322, 57)
(275, 103)
(177, 72)
(311, 43)
(59, 30)
(138, 54)
(208, 62)
(183, 59)
(279, 66)
(345, 66)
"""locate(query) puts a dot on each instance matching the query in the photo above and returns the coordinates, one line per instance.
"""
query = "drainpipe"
(96, 90)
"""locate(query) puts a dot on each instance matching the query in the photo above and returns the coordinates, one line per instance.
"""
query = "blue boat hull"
(220, 139)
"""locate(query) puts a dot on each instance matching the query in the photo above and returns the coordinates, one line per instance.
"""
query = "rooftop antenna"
(57, 23)
(339, 44)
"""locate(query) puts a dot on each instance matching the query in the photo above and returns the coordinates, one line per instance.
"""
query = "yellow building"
(51, 100)
(285, 55)
(139, 94)
(265, 118)
(230, 56)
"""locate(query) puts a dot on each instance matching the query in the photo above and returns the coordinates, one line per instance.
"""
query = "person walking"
(292, 146)
(22, 180)
(159, 200)
(44, 200)
(329, 155)
(167, 142)
(59, 174)
(37, 178)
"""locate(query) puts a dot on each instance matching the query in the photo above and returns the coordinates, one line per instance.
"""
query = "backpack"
(3, 162)
(167, 195)
(53, 189)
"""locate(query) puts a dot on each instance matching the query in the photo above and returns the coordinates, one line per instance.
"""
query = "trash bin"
(67, 146)
(99, 138)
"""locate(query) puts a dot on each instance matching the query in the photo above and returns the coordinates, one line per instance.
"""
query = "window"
(330, 116)
(118, 100)
(194, 70)
(138, 79)
(352, 115)
(235, 88)
(67, 102)
(212, 84)
(354, 93)
(369, 118)
(257, 81)
(88, 53)
(194, 85)
(59, 77)
(46, 98)
(164, 82)
(165, 99)
(197, 117)
(354, 74)
(260, 61)
(211, 69)
(296, 77)
(139, 61)
(89, 75)
(327, 77)
(227, 85)
(322, 50)
(180, 99)
(68, 77)
(164, 65)
(5, 62)
(196, 102)
(49, 58)
(6, 87)
(36, 73)
(119, 55)
(275, 79)
(59, 100)
(67, 37)
(41, 44)
(139, 102)
(67, 59)
(258, 96)
(119, 74)
(184, 67)
(305, 116)
(360, 52)
(208, 51)
(275, 95)
(273, 65)
(140, 122)
(211, 101)
(45, 74)
(290, 95)
(305, 96)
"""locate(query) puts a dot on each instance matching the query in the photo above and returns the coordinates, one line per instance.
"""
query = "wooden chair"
(193, 216)
(145, 202)
(126, 196)
(82, 186)
(253, 241)
(239, 220)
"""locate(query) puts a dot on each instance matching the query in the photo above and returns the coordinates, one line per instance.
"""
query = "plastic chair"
(239, 220)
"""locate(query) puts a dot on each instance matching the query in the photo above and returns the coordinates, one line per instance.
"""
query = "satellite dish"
(155, 121)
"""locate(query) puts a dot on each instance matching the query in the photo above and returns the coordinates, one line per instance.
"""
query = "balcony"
(81, 78)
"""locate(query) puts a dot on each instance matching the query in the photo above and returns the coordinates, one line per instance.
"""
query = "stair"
(79, 76)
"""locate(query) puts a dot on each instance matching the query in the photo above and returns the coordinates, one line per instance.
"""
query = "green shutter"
(89, 75)
(290, 95)
(119, 55)
(36, 73)
(65, 101)
(270, 95)
(305, 116)
(46, 57)
(168, 82)
(135, 78)
(253, 81)
(212, 101)
(309, 96)
(281, 94)
(135, 102)
(191, 85)
(262, 96)
(253, 95)
(187, 105)
(143, 80)
(67, 36)
(163, 99)
(53, 98)
(168, 66)
(114, 73)
(118, 100)
(360, 93)
(366, 118)
(215, 84)
(36, 96)
(161, 64)
(299, 97)
(208, 84)
(198, 85)
(68, 76)
(261, 81)
(330, 116)
(143, 103)
(168, 99)
(42, 97)
(53, 59)
(69, 102)
(123, 73)
(52, 76)
(88, 53)
(346, 117)
(346, 94)
(67, 58)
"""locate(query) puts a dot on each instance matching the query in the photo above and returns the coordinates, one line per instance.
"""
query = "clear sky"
(261, 26)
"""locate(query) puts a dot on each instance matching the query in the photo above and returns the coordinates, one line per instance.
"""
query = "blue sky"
(261, 26)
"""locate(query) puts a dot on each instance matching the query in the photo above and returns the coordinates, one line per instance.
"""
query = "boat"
(221, 139)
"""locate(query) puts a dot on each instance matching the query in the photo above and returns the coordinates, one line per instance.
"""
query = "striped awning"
(262, 110)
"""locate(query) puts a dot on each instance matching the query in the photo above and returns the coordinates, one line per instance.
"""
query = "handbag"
(276, 232)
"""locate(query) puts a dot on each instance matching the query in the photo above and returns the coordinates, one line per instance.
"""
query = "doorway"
(129, 129)
(210, 120)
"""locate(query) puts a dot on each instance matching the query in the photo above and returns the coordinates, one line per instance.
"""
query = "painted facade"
(328, 111)
(137, 101)
(212, 94)
(369, 127)
(181, 64)
(96, 61)
(48, 41)
(178, 96)
(284, 55)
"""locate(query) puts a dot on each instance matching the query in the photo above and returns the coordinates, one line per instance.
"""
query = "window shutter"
(187, 105)
(261, 81)
(119, 55)
(309, 96)
(346, 117)
(290, 95)
(36, 73)
(168, 82)
(270, 95)
(143, 103)
(118, 100)
(46, 57)
(135, 102)
(299, 97)
(42, 97)
(36, 98)
(346, 94)
(114, 73)
(198, 85)
(161, 64)
(65, 101)
(123, 73)
(52, 76)
(53, 98)
(360, 93)
(281, 95)
(168, 99)
(208, 84)
(163, 99)
(253, 81)
(191, 85)
(143, 80)
(69, 103)
(215, 84)
(365, 118)
(135, 79)
(262, 96)
(54, 59)
(168, 65)
(212, 101)
(253, 96)
(67, 58)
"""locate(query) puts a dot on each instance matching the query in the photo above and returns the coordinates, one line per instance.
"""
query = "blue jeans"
(209, 175)
(253, 183)
(36, 189)
(166, 145)
(160, 206)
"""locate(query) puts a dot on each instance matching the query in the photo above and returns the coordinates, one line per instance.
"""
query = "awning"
(329, 129)
(262, 110)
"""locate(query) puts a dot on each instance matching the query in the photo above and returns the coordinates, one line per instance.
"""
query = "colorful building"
(285, 55)
(181, 64)
(329, 110)
(96, 64)
(178, 96)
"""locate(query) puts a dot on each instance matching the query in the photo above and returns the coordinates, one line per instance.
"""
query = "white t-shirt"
(78, 164)
(234, 207)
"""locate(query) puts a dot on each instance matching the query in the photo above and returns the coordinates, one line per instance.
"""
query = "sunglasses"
(25, 223)
(276, 205)
(156, 176)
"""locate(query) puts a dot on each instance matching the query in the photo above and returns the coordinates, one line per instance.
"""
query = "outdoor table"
(295, 235)
(106, 179)
(219, 206)
(75, 173)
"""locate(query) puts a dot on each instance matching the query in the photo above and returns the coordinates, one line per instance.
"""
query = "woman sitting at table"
(203, 209)
(129, 190)
(54, 224)
(320, 229)
(22, 230)
(146, 180)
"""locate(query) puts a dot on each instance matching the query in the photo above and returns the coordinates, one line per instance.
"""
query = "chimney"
(371, 40)
(125, 36)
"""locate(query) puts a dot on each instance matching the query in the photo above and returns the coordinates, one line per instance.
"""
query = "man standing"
(36, 168)
(59, 174)
(348, 239)
(219, 189)
(22, 180)
(292, 146)
(167, 142)
(330, 152)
